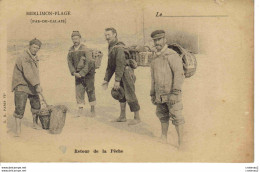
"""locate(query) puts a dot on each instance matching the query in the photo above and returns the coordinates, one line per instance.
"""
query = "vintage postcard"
(127, 81)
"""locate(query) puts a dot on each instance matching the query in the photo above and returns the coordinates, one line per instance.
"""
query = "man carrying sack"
(26, 84)
(167, 77)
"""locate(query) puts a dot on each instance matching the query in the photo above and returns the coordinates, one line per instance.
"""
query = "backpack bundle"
(97, 57)
(130, 59)
(188, 59)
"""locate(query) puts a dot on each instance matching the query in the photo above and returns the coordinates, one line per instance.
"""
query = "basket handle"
(43, 99)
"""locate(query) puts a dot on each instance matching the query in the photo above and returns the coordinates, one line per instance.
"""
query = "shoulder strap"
(116, 46)
(169, 64)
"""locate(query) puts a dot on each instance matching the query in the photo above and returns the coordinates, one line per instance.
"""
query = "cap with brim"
(75, 33)
(158, 34)
(36, 42)
(118, 94)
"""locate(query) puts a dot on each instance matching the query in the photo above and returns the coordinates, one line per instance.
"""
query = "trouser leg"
(162, 113)
(20, 99)
(35, 107)
(80, 92)
(80, 95)
(128, 83)
(90, 88)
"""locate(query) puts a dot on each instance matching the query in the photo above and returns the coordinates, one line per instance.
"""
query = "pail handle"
(43, 99)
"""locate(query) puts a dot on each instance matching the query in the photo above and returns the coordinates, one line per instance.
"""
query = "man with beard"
(124, 76)
(26, 84)
(82, 67)
(166, 88)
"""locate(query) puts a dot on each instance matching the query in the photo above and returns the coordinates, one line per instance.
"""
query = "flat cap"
(36, 42)
(118, 94)
(158, 34)
(75, 33)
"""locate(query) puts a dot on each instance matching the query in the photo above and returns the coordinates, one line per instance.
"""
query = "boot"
(136, 120)
(18, 122)
(122, 117)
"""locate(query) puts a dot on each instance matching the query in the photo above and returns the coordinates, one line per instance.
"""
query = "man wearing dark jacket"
(124, 76)
(26, 84)
(82, 67)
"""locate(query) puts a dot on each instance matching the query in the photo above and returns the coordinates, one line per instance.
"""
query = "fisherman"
(26, 84)
(124, 77)
(82, 67)
(167, 77)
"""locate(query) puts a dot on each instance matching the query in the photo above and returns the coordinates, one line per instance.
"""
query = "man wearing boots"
(167, 76)
(124, 76)
(82, 67)
(26, 84)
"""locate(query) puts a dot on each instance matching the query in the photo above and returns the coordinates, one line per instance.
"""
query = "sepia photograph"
(127, 81)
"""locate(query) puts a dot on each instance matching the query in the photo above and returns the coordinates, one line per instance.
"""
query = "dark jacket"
(74, 57)
(116, 61)
(26, 73)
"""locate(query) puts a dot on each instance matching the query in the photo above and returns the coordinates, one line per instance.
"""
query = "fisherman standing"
(26, 84)
(167, 77)
(82, 67)
(124, 77)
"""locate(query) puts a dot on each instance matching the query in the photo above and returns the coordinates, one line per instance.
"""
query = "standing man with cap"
(82, 67)
(26, 84)
(166, 86)
(124, 77)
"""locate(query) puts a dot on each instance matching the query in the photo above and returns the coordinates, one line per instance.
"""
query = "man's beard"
(76, 43)
(158, 47)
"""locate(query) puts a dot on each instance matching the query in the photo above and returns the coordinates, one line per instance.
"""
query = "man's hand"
(116, 85)
(153, 100)
(77, 75)
(105, 85)
(176, 92)
(38, 88)
(173, 99)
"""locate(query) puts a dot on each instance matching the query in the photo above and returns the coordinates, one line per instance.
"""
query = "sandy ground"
(212, 133)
